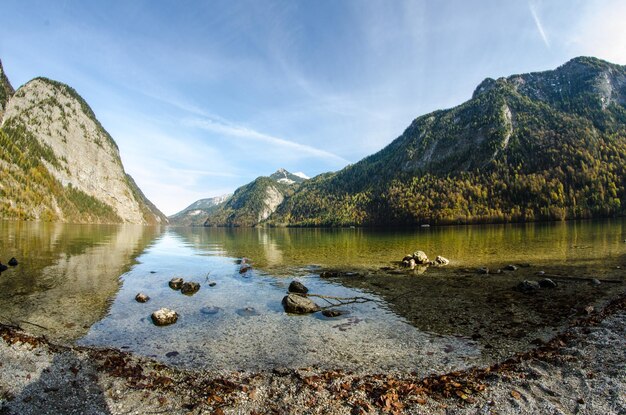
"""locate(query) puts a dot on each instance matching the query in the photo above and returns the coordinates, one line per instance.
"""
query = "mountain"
(540, 146)
(254, 202)
(59, 164)
(198, 212)
(283, 176)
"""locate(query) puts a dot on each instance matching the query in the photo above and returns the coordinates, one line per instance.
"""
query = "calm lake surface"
(77, 283)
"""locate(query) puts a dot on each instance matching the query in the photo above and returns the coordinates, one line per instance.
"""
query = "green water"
(76, 283)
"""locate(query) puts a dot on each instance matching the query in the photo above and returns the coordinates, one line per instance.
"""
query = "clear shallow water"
(78, 283)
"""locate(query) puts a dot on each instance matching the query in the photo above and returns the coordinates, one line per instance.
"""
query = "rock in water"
(141, 298)
(547, 283)
(297, 304)
(190, 288)
(297, 287)
(13, 262)
(510, 267)
(332, 313)
(176, 283)
(329, 274)
(528, 286)
(164, 317)
(441, 261)
(483, 270)
(3, 267)
(420, 257)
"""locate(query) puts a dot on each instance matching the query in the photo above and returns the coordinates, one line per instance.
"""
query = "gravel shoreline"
(580, 371)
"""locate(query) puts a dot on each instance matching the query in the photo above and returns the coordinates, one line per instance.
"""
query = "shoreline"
(577, 371)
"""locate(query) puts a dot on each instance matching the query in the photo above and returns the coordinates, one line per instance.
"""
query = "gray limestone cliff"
(78, 172)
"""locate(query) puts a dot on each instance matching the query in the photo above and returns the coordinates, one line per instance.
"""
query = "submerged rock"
(296, 304)
(248, 312)
(297, 287)
(332, 313)
(528, 286)
(142, 298)
(164, 317)
(547, 283)
(189, 288)
(176, 283)
(13, 262)
(210, 310)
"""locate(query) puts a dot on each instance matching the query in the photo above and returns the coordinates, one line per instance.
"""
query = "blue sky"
(204, 96)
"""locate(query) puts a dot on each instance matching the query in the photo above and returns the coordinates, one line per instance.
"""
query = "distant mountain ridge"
(59, 164)
(283, 176)
(198, 212)
(256, 201)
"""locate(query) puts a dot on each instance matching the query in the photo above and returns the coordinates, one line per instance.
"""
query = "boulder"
(164, 317)
(141, 298)
(13, 262)
(297, 287)
(3, 267)
(595, 281)
(189, 288)
(510, 267)
(483, 270)
(547, 283)
(528, 286)
(441, 261)
(176, 283)
(296, 304)
(212, 284)
(420, 257)
(329, 274)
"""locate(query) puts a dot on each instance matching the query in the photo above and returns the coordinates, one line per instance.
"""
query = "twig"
(341, 301)
(570, 278)
(34, 324)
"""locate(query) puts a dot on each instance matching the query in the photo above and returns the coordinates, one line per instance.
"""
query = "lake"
(77, 283)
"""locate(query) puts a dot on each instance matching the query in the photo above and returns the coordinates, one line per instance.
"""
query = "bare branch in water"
(341, 301)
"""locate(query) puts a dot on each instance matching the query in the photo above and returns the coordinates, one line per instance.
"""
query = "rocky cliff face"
(55, 126)
(6, 91)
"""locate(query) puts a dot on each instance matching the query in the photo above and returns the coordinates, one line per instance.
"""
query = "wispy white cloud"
(540, 29)
(223, 127)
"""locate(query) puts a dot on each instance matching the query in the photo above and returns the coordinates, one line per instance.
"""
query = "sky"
(204, 96)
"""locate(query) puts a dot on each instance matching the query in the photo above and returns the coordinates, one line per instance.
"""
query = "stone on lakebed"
(164, 317)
